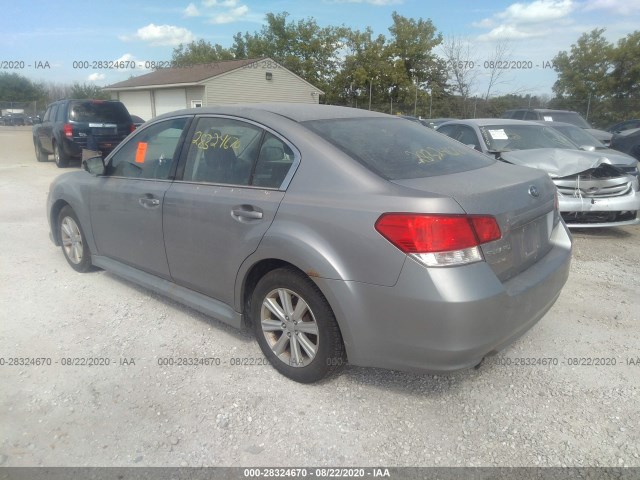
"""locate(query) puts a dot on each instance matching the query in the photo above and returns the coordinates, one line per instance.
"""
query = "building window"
(196, 103)
(269, 75)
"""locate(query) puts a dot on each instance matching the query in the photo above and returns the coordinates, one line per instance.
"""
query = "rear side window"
(395, 149)
(99, 112)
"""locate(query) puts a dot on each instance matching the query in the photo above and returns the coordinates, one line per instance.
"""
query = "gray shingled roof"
(183, 75)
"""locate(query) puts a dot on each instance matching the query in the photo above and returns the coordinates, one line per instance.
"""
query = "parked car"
(628, 142)
(336, 233)
(595, 189)
(137, 121)
(565, 116)
(14, 119)
(626, 125)
(588, 142)
(434, 122)
(69, 126)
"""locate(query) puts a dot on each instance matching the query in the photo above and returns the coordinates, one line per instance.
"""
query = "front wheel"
(74, 245)
(295, 326)
(61, 159)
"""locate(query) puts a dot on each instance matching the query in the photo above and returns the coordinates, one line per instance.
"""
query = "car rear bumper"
(589, 212)
(445, 319)
(74, 148)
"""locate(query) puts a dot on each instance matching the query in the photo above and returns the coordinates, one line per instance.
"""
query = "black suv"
(566, 116)
(69, 126)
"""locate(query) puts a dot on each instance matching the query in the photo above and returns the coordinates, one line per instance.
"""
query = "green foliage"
(199, 52)
(16, 88)
(585, 70)
(599, 79)
(88, 90)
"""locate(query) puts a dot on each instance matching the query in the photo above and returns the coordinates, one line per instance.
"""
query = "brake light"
(132, 127)
(68, 130)
(439, 240)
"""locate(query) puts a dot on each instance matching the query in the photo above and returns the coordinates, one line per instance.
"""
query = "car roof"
(556, 124)
(299, 112)
(488, 122)
(541, 110)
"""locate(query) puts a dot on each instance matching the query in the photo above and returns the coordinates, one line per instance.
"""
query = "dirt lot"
(137, 413)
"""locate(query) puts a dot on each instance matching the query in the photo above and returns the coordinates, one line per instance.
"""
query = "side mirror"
(588, 148)
(94, 165)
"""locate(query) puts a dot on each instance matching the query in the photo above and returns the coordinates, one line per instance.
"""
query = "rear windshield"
(99, 112)
(396, 149)
(567, 117)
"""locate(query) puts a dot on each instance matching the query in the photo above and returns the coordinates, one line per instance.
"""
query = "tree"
(461, 70)
(88, 90)
(16, 88)
(496, 73)
(199, 52)
(625, 59)
(584, 71)
(365, 62)
(303, 47)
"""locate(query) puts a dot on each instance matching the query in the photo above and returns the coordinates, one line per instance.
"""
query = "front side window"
(150, 153)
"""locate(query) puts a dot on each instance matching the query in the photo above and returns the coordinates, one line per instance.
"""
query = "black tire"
(62, 161)
(74, 245)
(41, 156)
(316, 314)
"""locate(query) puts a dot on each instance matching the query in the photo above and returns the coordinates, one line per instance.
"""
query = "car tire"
(301, 340)
(62, 161)
(73, 241)
(41, 156)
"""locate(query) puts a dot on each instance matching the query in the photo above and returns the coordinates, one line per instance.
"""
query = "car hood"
(558, 162)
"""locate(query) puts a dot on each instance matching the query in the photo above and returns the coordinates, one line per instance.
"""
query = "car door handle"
(148, 201)
(246, 212)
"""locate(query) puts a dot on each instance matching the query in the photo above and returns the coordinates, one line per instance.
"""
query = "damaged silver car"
(595, 188)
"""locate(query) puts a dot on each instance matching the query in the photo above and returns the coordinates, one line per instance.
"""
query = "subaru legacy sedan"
(338, 235)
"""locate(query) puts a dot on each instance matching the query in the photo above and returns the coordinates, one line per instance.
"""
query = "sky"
(64, 42)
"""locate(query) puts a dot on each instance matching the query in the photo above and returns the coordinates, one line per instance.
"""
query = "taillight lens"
(132, 128)
(439, 240)
(68, 130)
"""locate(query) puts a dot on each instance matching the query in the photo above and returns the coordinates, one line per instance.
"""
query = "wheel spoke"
(274, 308)
(308, 327)
(296, 359)
(301, 309)
(67, 228)
(269, 325)
(77, 250)
(280, 346)
(285, 300)
(307, 346)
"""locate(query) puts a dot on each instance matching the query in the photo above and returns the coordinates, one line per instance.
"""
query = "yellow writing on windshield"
(205, 141)
(432, 155)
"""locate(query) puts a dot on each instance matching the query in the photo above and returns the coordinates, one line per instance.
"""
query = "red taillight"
(68, 130)
(132, 128)
(420, 233)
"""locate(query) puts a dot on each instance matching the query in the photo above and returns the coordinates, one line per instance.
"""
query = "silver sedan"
(336, 234)
(596, 187)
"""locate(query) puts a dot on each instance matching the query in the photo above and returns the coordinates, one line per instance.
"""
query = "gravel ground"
(137, 413)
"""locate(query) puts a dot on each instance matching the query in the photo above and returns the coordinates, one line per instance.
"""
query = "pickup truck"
(69, 126)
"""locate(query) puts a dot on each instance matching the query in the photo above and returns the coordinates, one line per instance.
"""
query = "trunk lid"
(521, 199)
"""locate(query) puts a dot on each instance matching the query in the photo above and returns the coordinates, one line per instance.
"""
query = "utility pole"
(415, 102)
(370, 84)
